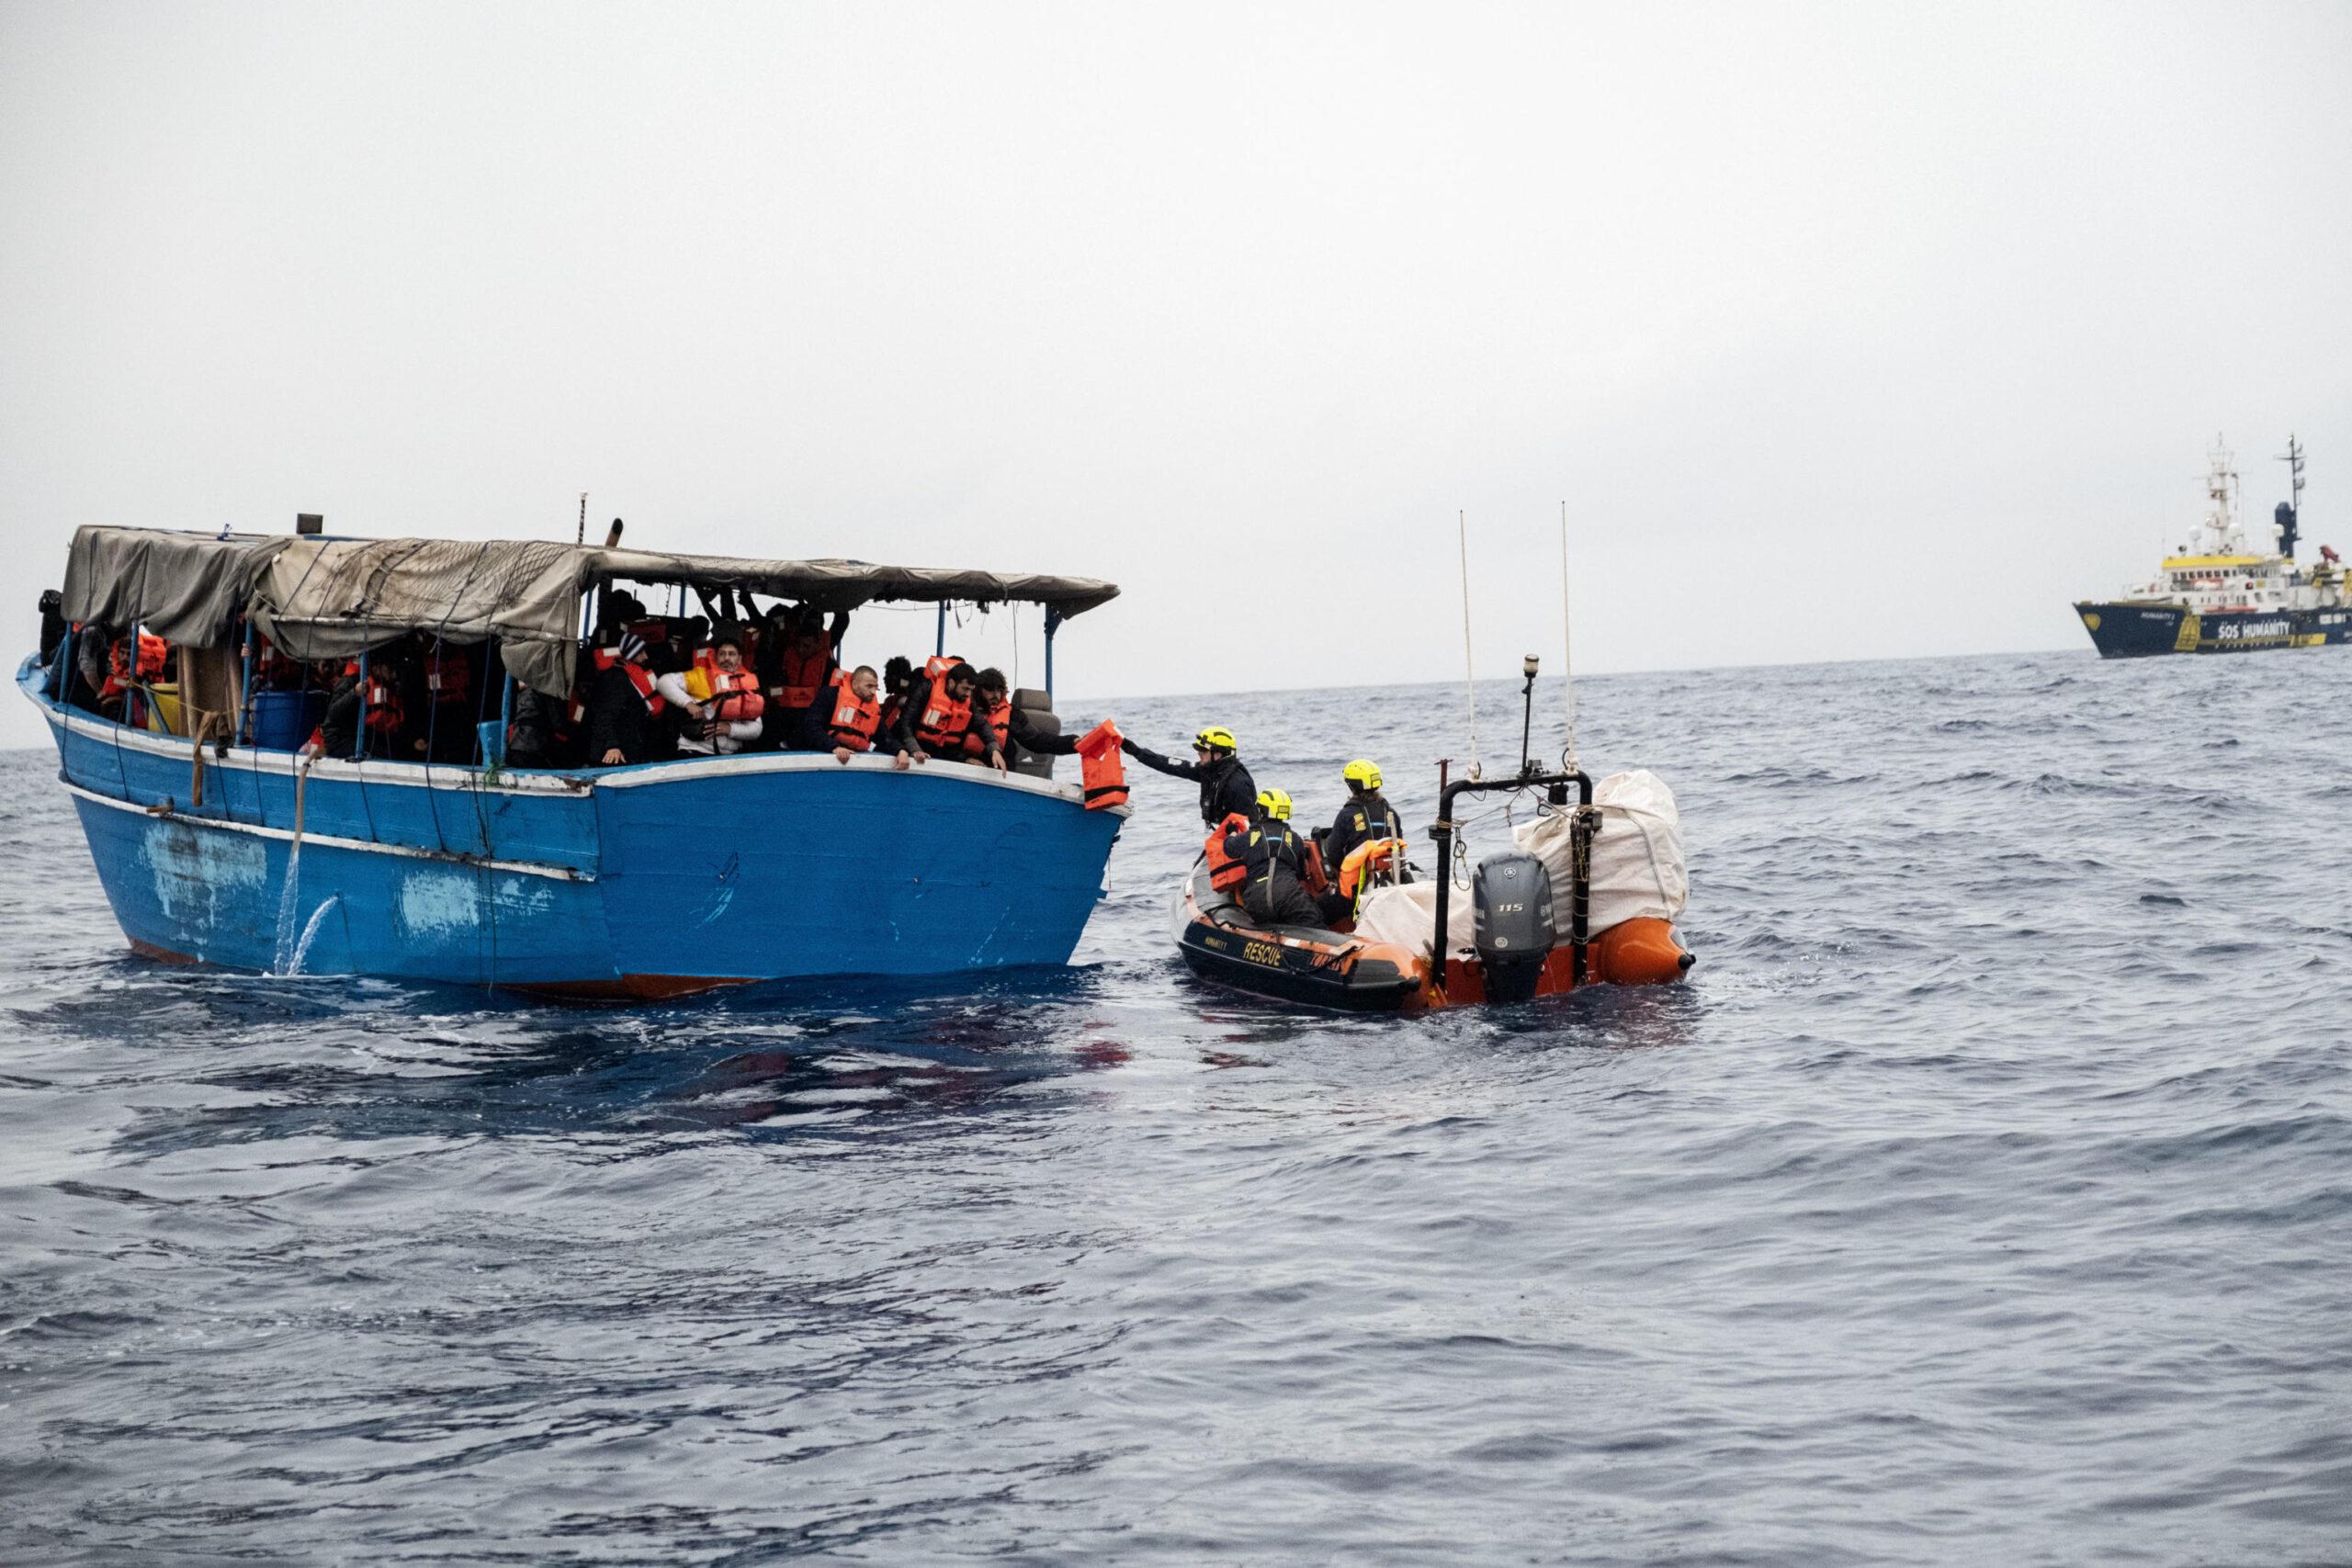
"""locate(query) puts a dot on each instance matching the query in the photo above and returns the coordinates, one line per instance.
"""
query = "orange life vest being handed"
(1227, 872)
(854, 718)
(1101, 771)
(734, 694)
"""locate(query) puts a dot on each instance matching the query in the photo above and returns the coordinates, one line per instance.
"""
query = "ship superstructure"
(2216, 594)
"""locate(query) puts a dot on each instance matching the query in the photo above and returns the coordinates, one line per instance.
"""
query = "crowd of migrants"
(654, 688)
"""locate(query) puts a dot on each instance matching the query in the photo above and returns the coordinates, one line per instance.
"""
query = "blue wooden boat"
(642, 881)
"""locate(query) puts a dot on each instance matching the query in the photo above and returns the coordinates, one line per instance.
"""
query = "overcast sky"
(1844, 332)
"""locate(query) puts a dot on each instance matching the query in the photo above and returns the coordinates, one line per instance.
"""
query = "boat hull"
(2127, 629)
(1347, 974)
(629, 882)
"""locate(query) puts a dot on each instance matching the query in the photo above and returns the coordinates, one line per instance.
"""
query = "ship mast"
(2220, 488)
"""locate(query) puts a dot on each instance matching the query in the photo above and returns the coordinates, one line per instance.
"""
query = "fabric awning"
(186, 588)
(320, 598)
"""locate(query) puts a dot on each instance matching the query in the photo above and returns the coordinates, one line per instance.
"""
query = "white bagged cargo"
(1637, 868)
(1638, 871)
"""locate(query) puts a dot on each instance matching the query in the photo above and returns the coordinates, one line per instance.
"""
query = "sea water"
(1984, 1196)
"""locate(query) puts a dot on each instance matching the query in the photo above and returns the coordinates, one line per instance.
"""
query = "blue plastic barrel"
(283, 720)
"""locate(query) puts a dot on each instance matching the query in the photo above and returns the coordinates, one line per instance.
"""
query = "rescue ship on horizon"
(2216, 594)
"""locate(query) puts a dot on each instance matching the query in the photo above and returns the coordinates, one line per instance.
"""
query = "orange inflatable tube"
(1639, 953)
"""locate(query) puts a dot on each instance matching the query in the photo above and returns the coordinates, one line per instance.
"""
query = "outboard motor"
(1511, 896)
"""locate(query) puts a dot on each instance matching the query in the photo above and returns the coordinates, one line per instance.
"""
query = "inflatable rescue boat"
(1611, 861)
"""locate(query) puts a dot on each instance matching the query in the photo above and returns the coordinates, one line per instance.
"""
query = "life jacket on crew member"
(735, 692)
(855, 720)
(1101, 771)
(120, 672)
(803, 660)
(1227, 872)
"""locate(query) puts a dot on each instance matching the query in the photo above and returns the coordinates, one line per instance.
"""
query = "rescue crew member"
(717, 701)
(857, 715)
(938, 720)
(626, 714)
(1225, 785)
(1273, 886)
(1365, 817)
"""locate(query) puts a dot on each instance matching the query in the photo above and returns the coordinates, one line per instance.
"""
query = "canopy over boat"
(320, 598)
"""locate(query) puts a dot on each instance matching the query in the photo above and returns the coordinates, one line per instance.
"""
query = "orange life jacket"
(446, 676)
(1100, 770)
(854, 718)
(1227, 872)
(996, 718)
(638, 676)
(734, 694)
(1314, 878)
(119, 674)
(940, 725)
(801, 665)
(379, 702)
(1372, 855)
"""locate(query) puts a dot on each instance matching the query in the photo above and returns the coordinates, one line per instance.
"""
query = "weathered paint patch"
(436, 906)
(203, 877)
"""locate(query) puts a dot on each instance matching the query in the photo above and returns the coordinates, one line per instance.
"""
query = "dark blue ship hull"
(2128, 629)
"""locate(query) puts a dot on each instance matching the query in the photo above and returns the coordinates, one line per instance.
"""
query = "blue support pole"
(939, 646)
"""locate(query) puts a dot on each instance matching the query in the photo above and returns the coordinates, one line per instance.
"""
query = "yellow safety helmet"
(1217, 738)
(1361, 774)
(1274, 804)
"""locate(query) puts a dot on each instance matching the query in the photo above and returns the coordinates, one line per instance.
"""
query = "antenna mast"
(581, 537)
(1567, 659)
(1469, 665)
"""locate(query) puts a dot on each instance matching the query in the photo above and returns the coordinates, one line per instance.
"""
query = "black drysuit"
(1365, 817)
(1273, 888)
(1225, 785)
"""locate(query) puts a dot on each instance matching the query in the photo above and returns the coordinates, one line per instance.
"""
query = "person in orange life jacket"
(375, 704)
(447, 694)
(1225, 785)
(627, 716)
(718, 701)
(853, 713)
(1015, 733)
(938, 717)
(1273, 886)
(797, 654)
(132, 660)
